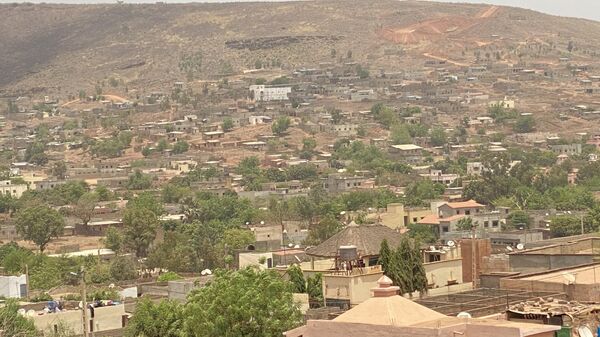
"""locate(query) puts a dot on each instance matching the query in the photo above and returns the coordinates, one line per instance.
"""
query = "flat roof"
(581, 275)
(406, 147)
(87, 252)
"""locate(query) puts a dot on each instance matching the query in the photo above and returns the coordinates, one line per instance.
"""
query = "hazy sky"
(589, 9)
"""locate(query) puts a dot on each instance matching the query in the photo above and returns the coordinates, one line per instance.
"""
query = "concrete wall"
(109, 318)
(72, 319)
(10, 286)
(105, 318)
(588, 246)
(541, 262)
(357, 288)
(439, 273)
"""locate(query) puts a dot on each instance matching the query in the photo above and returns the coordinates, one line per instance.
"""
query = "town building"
(264, 93)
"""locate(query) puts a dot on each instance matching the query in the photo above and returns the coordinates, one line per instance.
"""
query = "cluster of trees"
(280, 125)
(401, 133)
(248, 302)
(112, 147)
(365, 157)
(181, 146)
(523, 186)
(254, 176)
(47, 272)
(313, 285)
(404, 266)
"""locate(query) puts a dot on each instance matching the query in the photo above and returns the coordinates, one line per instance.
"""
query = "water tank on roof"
(348, 253)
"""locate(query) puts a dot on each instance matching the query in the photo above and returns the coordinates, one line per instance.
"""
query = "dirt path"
(489, 12)
(71, 102)
(115, 98)
(445, 59)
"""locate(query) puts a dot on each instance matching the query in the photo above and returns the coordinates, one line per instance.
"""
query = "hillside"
(63, 48)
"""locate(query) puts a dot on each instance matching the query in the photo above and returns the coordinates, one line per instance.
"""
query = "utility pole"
(581, 218)
(473, 257)
(84, 303)
(26, 283)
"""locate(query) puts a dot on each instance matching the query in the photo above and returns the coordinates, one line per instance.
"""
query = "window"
(415, 220)
(458, 212)
(486, 224)
(468, 212)
(445, 229)
(495, 223)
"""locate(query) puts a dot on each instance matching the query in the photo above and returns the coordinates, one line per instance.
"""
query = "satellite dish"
(570, 278)
(451, 243)
(509, 248)
(584, 331)
(520, 246)
(262, 222)
(206, 272)
(464, 315)
(297, 246)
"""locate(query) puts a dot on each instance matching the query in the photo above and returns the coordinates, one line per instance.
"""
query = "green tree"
(296, 278)
(103, 193)
(84, 208)
(524, 124)
(237, 238)
(12, 323)
(123, 268)
(385, 115)
(465, 224)
(259, 299)
(162, 145)
(139, 229)
(422, 233)
(385, 258)
(59, 170)
(565, 225)
(139, 181)
(281, 125)
(39, 224)
(181, 146)
(517, 218)
(227, 124)
(322, 231)
(399, 134)
(438, 137)
(35, 153)
(113, 239)
(177, 252)
(314, 288)
(164, 319)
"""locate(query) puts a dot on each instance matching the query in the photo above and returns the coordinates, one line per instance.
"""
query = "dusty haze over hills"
(60, 48)
(589, 9)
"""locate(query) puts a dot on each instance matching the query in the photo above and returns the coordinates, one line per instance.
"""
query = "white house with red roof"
(450, 213)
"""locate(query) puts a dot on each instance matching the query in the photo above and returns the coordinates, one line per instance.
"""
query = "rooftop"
(465, 204)
(407, 147)
(367, 239)
(581, 275)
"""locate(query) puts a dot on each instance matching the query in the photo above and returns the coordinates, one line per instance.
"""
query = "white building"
(14, 190)
(265, 93)
(13, 286)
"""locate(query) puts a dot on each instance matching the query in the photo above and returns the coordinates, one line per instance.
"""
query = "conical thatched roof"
(366, 238)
